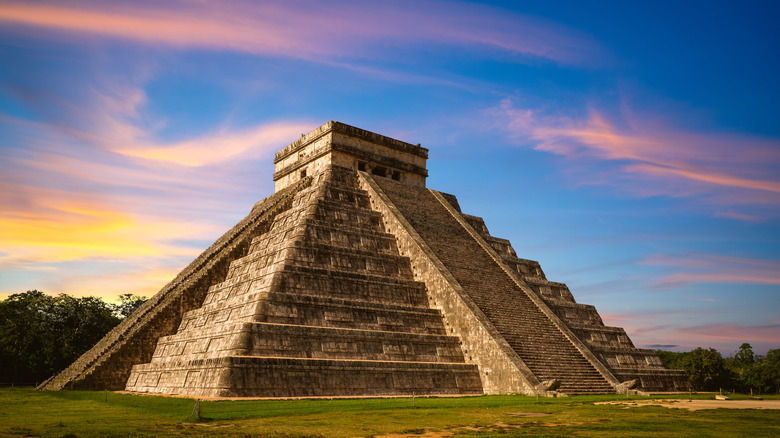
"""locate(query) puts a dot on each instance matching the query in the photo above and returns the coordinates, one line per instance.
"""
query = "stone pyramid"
(353, 279)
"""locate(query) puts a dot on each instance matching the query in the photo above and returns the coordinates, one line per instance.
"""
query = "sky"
(632, 148)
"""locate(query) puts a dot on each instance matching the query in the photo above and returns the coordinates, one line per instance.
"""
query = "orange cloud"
(145, 279)
(56, 229)
(218, 147)
(308, 30)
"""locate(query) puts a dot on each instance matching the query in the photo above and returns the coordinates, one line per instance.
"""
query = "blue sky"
(632, 148)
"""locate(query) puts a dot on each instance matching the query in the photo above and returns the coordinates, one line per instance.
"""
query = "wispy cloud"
(655, 329)
(114, 120)
(308, 29)
(651, 157)
(104, 187)
(738, 333)
(731, 214)
(217, 147)
(708, 268)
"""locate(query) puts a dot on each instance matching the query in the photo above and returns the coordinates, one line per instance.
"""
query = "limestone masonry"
(355, 279)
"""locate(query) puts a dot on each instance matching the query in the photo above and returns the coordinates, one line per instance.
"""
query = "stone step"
(338, 213)
(219, 312)
(304, 280)
(316, 255)
(280, 340)
(530, 270)
(246, 376)
(348, 237)
(285, 308)
(377, 257)
(204, 343)
(347, 195)
(659, 379)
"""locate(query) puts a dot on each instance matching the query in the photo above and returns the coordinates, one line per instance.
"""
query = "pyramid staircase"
(611, 345)
(322, 305)
(537, 340)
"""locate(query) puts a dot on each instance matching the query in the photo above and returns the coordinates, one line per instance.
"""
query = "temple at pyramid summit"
(354, 279)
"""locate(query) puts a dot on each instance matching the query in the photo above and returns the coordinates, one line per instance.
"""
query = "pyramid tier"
(280, 340)
(247, 376)
(345, 236)
(214, 330)
(326, 282)
(293, 309)
(346, 215)
(216, 341)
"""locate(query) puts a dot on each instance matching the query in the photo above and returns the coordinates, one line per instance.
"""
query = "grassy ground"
(25, 412)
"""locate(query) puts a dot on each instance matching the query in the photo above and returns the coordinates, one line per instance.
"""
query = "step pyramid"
(354, 279)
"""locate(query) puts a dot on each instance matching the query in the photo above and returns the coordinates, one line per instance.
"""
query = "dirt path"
(695, 405)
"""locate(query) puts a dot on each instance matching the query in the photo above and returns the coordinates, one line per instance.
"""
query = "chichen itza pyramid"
(354, 279)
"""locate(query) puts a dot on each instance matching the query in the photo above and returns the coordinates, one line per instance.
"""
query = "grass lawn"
(26, 412)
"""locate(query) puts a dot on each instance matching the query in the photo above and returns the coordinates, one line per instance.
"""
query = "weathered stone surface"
(354, 279)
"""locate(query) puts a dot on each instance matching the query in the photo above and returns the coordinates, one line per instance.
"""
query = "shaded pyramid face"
(355, 279)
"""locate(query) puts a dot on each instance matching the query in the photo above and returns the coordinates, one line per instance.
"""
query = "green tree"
(127, 304)
(772, 360)
(745, 369)
(78, 324)
(41, 335)
(706, 369)
(25, 346)
(670, 359)
(744, 357)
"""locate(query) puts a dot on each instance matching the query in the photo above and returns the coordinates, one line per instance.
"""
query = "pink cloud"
(655, 328)
(309, 29)
(654, 158)
(762, 333)
(707, 268)
(730, 213)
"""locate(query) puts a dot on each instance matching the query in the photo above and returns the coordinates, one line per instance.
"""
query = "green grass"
(25, 412)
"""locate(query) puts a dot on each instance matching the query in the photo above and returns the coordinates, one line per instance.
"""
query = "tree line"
(743, 372)
(40, 334)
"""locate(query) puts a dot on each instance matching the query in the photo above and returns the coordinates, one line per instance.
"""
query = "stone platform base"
(294, 377)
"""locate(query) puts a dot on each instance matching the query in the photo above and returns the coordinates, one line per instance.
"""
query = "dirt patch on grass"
(432, 434)
(527, 414)
(499, 427)
(696, 405)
